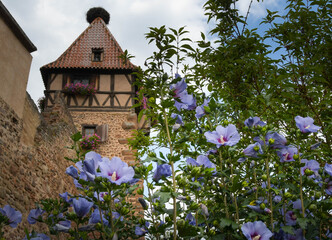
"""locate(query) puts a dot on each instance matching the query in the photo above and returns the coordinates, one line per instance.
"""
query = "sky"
(52, 25)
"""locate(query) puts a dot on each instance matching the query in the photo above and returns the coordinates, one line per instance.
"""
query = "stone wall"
(31, 160)
(120, 128)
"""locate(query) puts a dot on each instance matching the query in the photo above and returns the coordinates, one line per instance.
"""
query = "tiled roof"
(78, 55)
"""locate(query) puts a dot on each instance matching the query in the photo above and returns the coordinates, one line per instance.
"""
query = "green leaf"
(76, 137)
(150, 167)
(303, 222)
(288, 229)
(224, 222)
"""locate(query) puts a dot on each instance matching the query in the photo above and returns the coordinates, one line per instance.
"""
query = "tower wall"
(120, 126)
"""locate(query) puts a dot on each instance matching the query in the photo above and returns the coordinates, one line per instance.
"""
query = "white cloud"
(53, 25)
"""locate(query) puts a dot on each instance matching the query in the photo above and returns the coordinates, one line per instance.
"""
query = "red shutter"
(102, 132)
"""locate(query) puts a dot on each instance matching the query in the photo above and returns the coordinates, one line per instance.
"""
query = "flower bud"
(264, 177)
(295, 156)
(308, 172)
(98, 226)
(143, 203)
(140, 191)
(124, 211)
(181, 223)
(312, 207)
(318, 195)
(195, 171)
(211, 232)
(262, 206)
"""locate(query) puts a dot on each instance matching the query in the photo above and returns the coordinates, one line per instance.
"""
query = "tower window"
(88, 130)
(97, 54)
(81, 79)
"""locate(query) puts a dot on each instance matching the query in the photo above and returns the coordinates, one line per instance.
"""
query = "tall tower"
(94, 59)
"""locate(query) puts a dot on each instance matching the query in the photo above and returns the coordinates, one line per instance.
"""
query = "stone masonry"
(33, 168)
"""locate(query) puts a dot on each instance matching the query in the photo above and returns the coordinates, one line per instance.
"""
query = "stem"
(301, 193)
(111, 212)
(223, 183)
(235, 200)
(255, 180)
(269, 190)
(173, 175)
(101, 216)
(151, 203)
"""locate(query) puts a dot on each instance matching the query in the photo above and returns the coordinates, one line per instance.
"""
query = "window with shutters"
(100, 130)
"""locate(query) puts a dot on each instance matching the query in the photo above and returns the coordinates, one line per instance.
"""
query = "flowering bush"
(90, 142)
(79, 88)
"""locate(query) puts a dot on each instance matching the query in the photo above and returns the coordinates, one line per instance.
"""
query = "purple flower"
(253, 149)
(256, 231)
(34, 214)
(178, 87)
(254, 122)
(141, 230)
(191, 219)
(37, 236)
(81, 206)
(298, 235)
(72, 171)
(187, 101)
(200, 111)
(177, 117)
(241, 159)
(328, 168)
(328, 189)
(65, 196)
(163, 170)
(14, 217)
(227, 136)
(306, 125)
(116, 170)
(62, 226)
(201, 161)
(89, 166)
(286, 154)
(95, 218)
(312, 165)
(178, 121)
(297, 204)
(290, 218)
(273, 139)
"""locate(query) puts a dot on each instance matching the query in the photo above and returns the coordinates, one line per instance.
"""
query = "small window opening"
(89, 130)
(81, 79)
(97, 54)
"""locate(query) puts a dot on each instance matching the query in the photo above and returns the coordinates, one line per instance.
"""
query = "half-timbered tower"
(98, 88)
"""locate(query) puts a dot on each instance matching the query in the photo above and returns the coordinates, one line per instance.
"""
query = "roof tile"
(78, 55)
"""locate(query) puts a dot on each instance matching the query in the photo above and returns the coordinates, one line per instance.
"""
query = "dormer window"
(97, 54)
